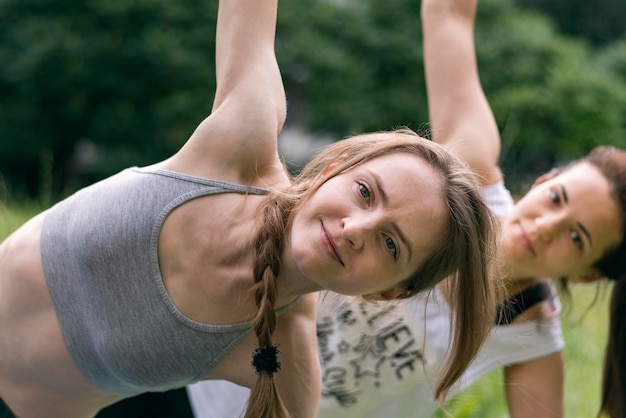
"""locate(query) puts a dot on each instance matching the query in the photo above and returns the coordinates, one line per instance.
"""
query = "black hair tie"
(266, 360)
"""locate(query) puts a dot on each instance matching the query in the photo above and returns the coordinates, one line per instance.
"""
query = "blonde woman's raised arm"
(249, 108)
(459, 113)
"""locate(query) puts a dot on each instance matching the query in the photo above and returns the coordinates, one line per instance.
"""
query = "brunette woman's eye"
(391, 247)
(554, 197)
(364, 191)
(576, 239)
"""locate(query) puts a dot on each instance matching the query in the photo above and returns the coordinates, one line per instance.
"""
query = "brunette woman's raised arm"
(459, 113)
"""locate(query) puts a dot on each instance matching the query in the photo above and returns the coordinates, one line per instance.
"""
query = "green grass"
(584, 350)
(585, 339)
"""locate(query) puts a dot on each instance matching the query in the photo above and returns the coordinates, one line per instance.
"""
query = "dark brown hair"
(611, 162)
(464, 253)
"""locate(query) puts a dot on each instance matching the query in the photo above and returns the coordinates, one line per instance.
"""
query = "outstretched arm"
(535, 388)
(459, 113)
(239, 138)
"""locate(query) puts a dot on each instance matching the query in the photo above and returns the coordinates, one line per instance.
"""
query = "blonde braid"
(265, 402)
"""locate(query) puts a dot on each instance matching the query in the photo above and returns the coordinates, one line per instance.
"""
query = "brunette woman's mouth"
(330, 245)
(526, 240)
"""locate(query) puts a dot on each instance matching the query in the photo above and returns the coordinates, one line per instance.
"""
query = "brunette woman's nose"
(549, 225)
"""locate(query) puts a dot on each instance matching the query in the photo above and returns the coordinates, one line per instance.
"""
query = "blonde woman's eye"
(391, 247)
(364, 191)
(554, 197)
(576, 239)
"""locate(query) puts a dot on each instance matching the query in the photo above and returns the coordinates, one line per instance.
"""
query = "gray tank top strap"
(220, 184)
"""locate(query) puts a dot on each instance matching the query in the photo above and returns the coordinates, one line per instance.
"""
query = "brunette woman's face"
(369, 228)
(562, 226)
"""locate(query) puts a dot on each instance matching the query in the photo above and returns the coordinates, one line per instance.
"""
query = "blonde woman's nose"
(355, 230)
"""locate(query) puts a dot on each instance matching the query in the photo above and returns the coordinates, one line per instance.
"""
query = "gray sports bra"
(99, 254)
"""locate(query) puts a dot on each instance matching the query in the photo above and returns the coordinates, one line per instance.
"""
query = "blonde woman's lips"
(330, 245)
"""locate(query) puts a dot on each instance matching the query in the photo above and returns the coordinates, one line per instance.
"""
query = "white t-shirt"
(381, 360)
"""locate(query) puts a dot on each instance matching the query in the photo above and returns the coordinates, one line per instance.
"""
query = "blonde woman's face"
(369, 228)
(562, 226)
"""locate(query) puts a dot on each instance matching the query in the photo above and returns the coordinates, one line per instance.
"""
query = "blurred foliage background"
(89, 87)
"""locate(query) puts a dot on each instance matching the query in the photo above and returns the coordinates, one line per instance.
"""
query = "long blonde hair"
(464, 253)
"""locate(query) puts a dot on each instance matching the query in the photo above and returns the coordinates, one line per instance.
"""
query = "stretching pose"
(199, 265)
(382, 361)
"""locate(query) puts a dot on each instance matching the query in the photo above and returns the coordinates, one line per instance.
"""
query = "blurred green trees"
(132, 77)
(599, 21)
(554, 96)
(119, 83)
